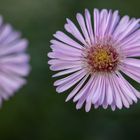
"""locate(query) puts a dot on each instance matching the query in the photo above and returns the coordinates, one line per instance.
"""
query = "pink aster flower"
(93, 58)
(13, 61)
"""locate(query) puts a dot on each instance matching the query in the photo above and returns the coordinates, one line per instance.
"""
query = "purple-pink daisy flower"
(13, 61)
(94, 57)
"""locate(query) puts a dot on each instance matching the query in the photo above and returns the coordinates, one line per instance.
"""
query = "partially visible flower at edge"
(94, 57)
(14, 62)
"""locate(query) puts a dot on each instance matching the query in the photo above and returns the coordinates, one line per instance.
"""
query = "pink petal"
(103, 23)
(68, 78)
(82, 24)
(18, 46)
(117, 97)
(126, 29)
(66, 39)
(89, 25)
(109, 90)
(77, 88)
(71, 28)
(96, 22)
(67, 71)
(84, 90)
(113, 22)
(127, 89)
(69, 82)
(59, 46)
(64, 56)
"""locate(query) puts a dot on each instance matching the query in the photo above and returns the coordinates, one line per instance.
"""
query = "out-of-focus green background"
(37, 112)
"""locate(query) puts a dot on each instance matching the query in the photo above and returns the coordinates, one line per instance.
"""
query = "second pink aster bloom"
(94, 58)
(14, 61)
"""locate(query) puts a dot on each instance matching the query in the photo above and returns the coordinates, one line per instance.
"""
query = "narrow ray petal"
(82, 24)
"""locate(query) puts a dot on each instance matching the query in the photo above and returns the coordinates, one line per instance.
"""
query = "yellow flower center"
(102, 58)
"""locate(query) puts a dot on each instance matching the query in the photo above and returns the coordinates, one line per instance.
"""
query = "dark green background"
(36, 112)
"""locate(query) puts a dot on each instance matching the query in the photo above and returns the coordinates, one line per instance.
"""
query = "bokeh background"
(37, 112)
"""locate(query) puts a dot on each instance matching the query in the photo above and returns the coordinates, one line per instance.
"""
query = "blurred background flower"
(36, 111)
(14, 62)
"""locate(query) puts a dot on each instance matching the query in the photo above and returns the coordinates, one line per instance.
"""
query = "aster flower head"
(13, 61)
(94, 57)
